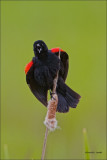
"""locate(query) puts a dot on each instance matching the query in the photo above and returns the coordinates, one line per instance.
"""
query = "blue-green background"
(79, 28)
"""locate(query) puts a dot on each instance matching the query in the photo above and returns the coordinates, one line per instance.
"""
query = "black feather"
(64, 64)
(66, 97)
(39, 92)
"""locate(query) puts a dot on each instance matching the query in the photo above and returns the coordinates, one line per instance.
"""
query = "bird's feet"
(51, 94)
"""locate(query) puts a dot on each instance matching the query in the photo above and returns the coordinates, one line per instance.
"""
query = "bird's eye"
(38, 46)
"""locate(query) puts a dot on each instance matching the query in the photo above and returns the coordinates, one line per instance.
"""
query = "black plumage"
(42, 72)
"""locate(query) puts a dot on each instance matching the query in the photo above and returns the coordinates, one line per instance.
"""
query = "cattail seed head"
(50, 119)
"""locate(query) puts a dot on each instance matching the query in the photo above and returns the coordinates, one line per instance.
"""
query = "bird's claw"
(51, 95)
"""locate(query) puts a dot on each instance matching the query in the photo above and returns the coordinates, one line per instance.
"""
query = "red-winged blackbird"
(42, 70)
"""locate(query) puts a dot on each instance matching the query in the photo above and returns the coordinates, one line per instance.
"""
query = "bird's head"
(40, 49)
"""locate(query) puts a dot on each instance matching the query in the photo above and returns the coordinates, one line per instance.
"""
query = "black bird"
(42, 70)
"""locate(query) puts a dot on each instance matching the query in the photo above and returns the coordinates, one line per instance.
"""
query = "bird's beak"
(39, 50)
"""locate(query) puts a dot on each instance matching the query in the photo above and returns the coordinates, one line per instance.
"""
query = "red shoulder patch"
(28, 66)
(54, 50)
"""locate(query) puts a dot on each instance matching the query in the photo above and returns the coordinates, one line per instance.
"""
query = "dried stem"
(44, 145)
(56, 78)
(50, 120)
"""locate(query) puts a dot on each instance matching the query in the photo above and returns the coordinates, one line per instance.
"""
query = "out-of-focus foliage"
(80, 29)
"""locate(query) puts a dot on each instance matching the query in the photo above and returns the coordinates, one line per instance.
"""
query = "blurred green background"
(80, 29)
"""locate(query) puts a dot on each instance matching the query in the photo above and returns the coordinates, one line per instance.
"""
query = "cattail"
(50, 119)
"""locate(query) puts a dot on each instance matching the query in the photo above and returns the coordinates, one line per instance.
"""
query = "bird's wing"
(64, 65)
(39, 92)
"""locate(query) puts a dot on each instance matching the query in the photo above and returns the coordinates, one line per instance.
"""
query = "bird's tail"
(66, 97)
